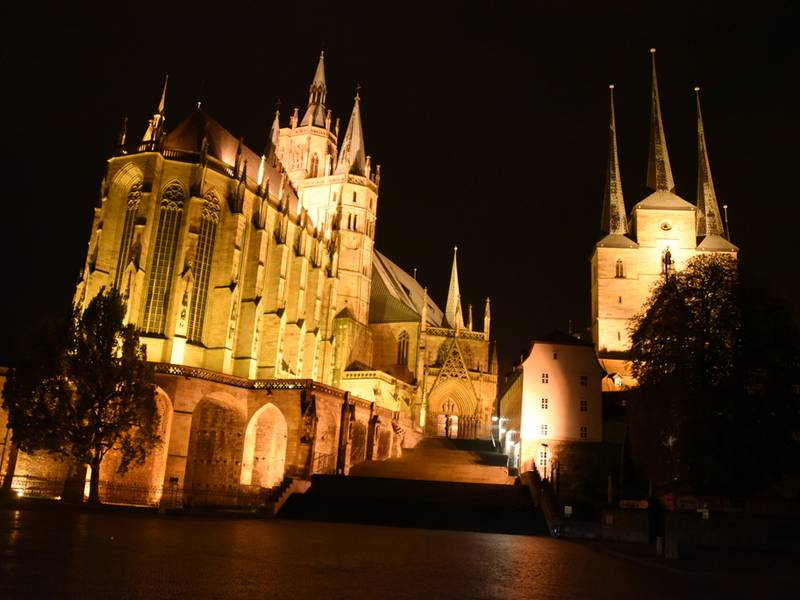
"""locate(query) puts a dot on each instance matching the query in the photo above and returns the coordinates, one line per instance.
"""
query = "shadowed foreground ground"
(62, 553)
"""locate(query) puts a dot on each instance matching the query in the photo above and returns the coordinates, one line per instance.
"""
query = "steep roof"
(223, 145)
(397, 296)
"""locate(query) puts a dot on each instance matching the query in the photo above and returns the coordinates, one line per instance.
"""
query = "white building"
(552, 398)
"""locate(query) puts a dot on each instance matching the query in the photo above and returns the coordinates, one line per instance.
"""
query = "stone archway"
(213, 462)
(141, 484)
(451, 407)
(264, 455)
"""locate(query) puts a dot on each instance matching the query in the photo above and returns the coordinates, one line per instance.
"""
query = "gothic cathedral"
(251, 267)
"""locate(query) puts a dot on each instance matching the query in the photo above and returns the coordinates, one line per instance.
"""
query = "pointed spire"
(317, 91)
(273, 140)
(487, 318)
(659, 172)
(155, 127)
(469, 317)
(708, 217)
(614, 216)
(123, 132)
(352, 157)
(453, 310)
(163, 102)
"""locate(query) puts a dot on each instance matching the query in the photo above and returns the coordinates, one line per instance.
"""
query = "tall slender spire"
(352, 158)
(487, 318)
(709, 221)
(659, 172)
(156, 125)
(453, 310)
(614, 217)
(317, 92)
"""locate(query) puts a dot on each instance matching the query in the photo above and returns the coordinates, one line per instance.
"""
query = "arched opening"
(451, 410)
(620, 269)
(314, 171)
(141, 484)
(213, 462)
(264, 456)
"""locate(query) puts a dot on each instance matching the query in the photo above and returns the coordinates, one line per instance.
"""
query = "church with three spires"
(661, 234)
(284, 342)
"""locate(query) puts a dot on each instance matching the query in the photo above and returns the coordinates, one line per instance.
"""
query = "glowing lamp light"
(19, 493)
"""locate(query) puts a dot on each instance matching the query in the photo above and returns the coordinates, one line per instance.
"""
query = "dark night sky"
(489, 120)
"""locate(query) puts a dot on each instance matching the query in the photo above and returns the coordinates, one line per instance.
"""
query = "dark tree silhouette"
(715, 410)
(86, 389)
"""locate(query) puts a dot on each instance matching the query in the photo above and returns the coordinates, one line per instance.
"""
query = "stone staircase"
(440, 484)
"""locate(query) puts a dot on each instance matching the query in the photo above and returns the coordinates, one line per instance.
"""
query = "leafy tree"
(88, 391)
(715, 409)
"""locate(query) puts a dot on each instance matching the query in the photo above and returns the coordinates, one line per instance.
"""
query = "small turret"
(155, 128)
(316, 114)
(487, 318)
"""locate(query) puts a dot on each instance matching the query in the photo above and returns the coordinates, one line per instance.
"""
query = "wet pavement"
(61, 553)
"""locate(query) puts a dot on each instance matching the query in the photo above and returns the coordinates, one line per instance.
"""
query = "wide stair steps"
(441, 484)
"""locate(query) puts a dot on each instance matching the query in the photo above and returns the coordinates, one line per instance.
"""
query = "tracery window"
(313, 172)
(402, 349)
(161, 271)
(209, 219)
(134, 197)
(620, 269)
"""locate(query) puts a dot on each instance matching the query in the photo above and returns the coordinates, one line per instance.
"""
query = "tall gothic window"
(134, 197)
(402, 349)
(314, 171)
(160, 283)
(620, 272)
(202, 266)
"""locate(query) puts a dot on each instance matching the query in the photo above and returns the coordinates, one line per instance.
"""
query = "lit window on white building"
(545, 378)
(544, 402)
(544, 429)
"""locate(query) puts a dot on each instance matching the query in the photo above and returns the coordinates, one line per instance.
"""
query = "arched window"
(202, 266)
(314, 170)
(134, 197)
(620, 272)
(402, 349)
(159, 285)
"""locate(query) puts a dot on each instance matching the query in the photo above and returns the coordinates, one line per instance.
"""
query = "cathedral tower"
(663, 232)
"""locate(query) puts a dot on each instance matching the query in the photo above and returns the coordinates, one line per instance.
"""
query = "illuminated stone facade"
(659, 236)
(247, 269)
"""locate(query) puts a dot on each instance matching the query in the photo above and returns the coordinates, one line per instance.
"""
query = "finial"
(652, 50)
(415, 273)
(455, 249)
(611, 86)
(696, 88)
(358, 91)
(278, 103)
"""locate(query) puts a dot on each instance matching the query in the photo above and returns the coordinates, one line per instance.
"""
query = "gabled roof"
(397, 296)
(664, 200)
(716, 243)
(615, 240)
